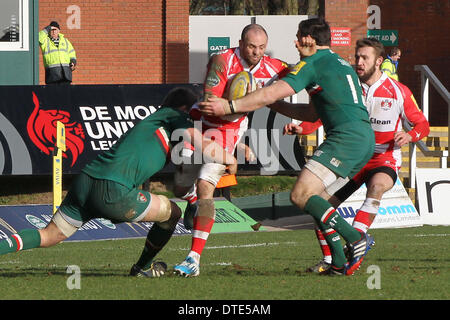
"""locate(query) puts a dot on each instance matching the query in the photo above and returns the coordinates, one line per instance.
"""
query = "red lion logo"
(41, 127)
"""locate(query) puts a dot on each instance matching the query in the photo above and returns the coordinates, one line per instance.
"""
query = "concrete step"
(440, 142)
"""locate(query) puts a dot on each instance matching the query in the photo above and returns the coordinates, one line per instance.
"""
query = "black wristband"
(231, 106)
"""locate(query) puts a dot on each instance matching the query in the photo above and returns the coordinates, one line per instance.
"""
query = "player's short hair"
(371, 42)
(318, 29)
(178, 97)
(252, 26)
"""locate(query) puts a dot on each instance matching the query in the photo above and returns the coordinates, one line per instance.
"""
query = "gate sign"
(216, 44)
(388, 38)
(341, 36)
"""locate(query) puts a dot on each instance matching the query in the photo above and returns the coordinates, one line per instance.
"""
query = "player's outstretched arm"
(252, 101)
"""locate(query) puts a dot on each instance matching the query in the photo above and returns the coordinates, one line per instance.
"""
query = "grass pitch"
(411, 263)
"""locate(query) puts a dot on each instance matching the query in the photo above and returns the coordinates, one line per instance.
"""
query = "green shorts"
(346, 149)
(89, 198)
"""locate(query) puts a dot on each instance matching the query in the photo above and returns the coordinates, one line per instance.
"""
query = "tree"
(255, 7)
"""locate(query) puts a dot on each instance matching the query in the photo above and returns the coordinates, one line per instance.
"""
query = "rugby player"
(337, 101)
(226, 130)
(390, 104)
(108, 187)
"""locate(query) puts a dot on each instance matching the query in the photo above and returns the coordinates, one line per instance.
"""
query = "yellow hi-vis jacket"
(56, 59)
(389, 68)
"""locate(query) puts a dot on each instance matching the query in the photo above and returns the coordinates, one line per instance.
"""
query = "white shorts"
(187, 174)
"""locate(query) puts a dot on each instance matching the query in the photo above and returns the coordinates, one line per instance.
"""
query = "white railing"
(427, 77)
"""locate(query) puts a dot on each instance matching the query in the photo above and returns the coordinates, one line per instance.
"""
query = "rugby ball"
(239, 85)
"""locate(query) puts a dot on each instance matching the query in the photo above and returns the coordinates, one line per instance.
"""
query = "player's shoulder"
(222, 58)
(400, 85)
(275, 63)
(273, 60)
(295, 69)
(402, 88)
(223, 54)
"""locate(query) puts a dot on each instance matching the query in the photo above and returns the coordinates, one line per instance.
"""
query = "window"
(14, 23)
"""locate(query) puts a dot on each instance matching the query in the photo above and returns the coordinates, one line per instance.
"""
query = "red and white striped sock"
(323, 246)
(364, 217)
(203, 223)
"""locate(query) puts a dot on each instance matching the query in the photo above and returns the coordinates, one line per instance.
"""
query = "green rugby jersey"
(141, 151)
(334, 88)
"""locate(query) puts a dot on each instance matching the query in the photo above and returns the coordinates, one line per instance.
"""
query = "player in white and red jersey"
(222, 67)
(389, 103)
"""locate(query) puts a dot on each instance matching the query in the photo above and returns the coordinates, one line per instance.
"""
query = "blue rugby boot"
(187, 268)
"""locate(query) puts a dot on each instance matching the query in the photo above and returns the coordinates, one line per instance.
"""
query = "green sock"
(157, 238)
(322, 210)
(334, 242)
(23, 240)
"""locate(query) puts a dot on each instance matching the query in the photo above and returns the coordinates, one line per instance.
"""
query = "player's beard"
(253, 60)
(368, 74)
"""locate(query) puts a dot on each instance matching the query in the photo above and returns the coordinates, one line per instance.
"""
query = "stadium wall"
(424, 38)
(123, 42)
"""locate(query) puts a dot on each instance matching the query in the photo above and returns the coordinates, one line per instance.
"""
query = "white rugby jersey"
(390, 102)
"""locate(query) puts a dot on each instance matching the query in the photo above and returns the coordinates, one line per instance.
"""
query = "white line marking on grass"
(10, 262)
(431, 235)
(221, 264)
(251, 245)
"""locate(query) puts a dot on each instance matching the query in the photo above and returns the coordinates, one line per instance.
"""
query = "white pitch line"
(221, 264)
(431, 235)
(251, 245)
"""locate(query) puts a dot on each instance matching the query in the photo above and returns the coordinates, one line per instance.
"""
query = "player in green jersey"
(337, 100)
(109, 186)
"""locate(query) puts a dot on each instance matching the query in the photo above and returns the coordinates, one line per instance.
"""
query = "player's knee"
(299, 198)
(51, 235)
(169, 215)
(59, 229)
(295, 198)
(377, 189)
(208, 178)
(205, 189)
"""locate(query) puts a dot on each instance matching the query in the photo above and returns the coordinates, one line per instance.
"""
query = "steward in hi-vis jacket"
(58, 55)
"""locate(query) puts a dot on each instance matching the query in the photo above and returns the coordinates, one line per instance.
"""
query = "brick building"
(140, 41)
(124, 42)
